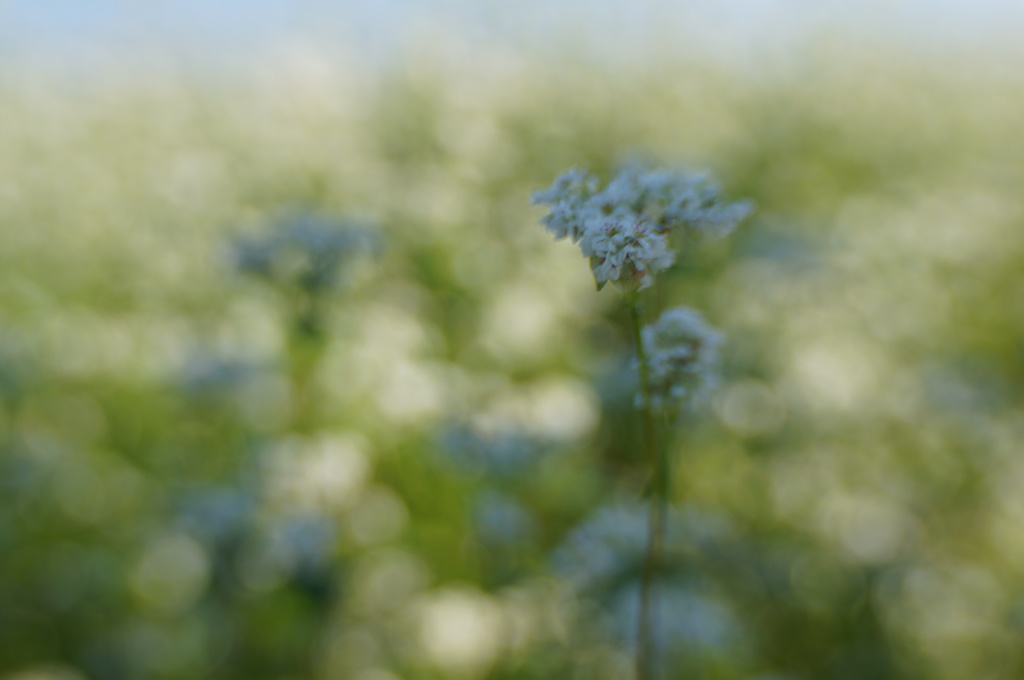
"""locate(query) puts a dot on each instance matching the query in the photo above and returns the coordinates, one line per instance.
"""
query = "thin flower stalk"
(646, 645)
(627, 231)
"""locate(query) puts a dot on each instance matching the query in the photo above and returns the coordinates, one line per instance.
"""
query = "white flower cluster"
(625, 228)
(682, 356)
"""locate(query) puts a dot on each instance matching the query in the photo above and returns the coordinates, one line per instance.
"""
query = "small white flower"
(568, 218)
(569, 198)
(625, 252)
(626, 190)
(569, 184)
(721, 219)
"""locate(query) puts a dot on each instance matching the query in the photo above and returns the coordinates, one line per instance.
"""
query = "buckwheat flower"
(682, 351)
(696, 205)
(569, 198)
(625, 228)
(571, 183)
(720, 219)
(666, 182)
(568, 219)
(625, 191)
(625, 252)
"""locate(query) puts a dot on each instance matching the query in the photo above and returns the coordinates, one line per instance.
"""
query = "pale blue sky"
(213, 31)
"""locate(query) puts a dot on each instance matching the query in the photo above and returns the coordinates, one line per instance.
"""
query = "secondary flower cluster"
(625, 228)
(682, 357)
(307, 251)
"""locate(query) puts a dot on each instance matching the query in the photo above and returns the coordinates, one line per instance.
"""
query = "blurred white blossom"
(682, 355)
(306, 250)
(601, 560)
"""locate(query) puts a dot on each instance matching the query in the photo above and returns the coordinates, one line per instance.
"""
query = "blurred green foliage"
(427, 466)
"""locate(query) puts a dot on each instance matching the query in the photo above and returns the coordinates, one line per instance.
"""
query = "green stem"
(646, 647)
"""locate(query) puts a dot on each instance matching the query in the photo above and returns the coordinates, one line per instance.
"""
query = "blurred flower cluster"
(682, 351)
(305, 251)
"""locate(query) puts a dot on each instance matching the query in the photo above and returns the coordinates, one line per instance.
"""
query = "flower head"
(682, 356)
(625, 227)
(625, 252)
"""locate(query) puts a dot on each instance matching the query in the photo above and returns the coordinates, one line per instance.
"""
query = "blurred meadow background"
(293, 386)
